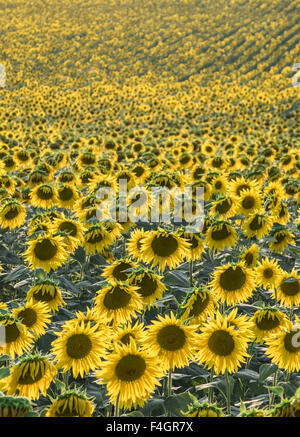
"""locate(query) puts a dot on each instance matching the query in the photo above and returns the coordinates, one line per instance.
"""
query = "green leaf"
(4, 372)
(248, 374)
(278, 390)
(266, 370)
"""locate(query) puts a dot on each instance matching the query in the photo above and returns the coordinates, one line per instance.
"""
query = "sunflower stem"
(117, 407)
(274, 384)
(191, 272)
(210, 390)
(228, 395)
(169, 392)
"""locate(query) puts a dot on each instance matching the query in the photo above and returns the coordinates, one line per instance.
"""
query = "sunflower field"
(111, 318)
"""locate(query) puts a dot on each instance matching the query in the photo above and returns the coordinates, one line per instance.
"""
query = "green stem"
(210, 390)
(274, 384)
(117, 407)
(228, 396)
(191, 272)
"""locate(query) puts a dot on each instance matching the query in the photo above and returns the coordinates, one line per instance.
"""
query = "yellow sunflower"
(250, 256)
(17, 338)
(123, 334)
(71, 403)
(80, 348)
(97, 239)
(233, 284)
(199, 305)
(46, 292)
(288, 289)
(134, 243)
(119, 270)
(220, 235)
(268, 273)
(35, 316)
(164, 248)
(43, 196)
(283, 348)
(130, 375)
(267, 321)
(149, 285)
(249, 201)
(72, 230)
(172, 341)
(47, 252)
(12, 215)
(118, 302)
(221, 346)
(30, 377)
(257, 224)
(283, 238)
(224, 207)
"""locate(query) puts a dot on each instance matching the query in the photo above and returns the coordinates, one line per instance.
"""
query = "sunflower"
(267, 321)
(164, 248)
(17, 337)
(249, 201)
(47, 252)
(124, 333)
(172, 341)
(283, 348)
(35, 316)
(119, 270)
(241, 323)
(43, 196)
(287, 408)
(12, 215)
(233, 284)
(196, 246)
(288, 289)
(149, 285)
(130, 375)
(220, 235)
(134, 243)
(281, 214)
(46, 292)
(204, 410)
(96, 239)
(224, 206)
(72, 230)
(80, 348)
(250, 256)
(67, 196)
(199, 305)
(14, 406)
(239, 184)
(268, 273)
(257, 224)
(30, 377)
(118, 302)
(71, 403)
(221, 346)
(283, 238)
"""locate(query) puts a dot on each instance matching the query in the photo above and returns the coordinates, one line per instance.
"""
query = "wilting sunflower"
(268, 321)
(249, 201)
(72, 230)
(35, 316)
(80, 348)
(220, 235)
(47, 292)
(67, 196)
(164, 248)
(257, 225)
(199, 305)
(253, 412)
(283, 238)
(283, 348)
(250, 256)
(43, 196)
(268, 273)
(96, 239)
(30, 377)
(172, 341)
(134, 243)
(71, 403)
(12, 215)
(288, 289)
(17, 337)
(204, 410)
(124, 333)
(130, 375)
(118, 302)
(287, 408)
(46, 251)
(14, 406)
(149, 285)
(221, 346)
(119, 270)
(233, 284)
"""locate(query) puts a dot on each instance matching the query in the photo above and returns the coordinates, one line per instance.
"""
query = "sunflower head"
(71, 403)
(203, 410)
(14, 406)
